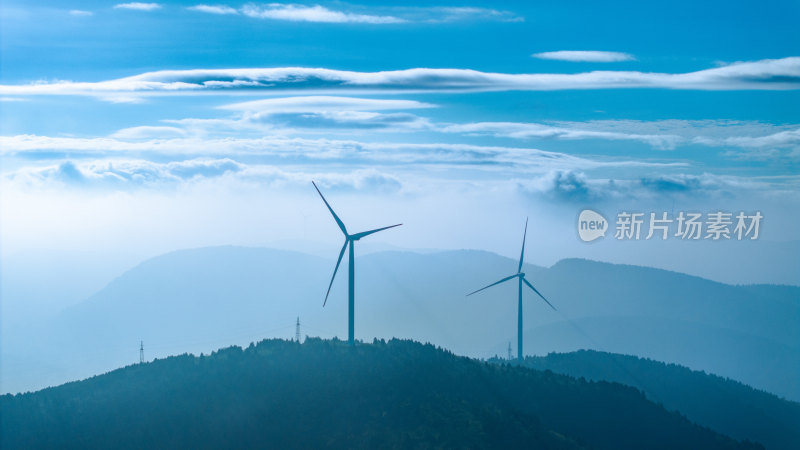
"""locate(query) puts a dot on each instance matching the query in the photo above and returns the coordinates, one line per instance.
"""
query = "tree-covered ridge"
(323, 393)
(724, 405)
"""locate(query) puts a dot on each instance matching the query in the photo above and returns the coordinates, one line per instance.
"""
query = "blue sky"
(145, 127)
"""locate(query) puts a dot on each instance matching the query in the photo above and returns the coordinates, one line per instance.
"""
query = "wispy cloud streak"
(775, 74)
(585, 56)
(543, 131)
(214, 9)
(320, 150)
(315, 103)
(139, 6)
(316, 13)
(350, 14)
(80, 13)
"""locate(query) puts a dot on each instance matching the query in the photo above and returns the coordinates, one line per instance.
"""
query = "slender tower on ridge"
(521, 279)
(349, 239)
(297, 330)
(141, 352)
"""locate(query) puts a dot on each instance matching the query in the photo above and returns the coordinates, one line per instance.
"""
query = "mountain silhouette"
(200, 299)
(323, 393)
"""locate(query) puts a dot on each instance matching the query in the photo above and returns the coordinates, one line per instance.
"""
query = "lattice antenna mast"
(509, 351)
(141, 352)
(297, 330)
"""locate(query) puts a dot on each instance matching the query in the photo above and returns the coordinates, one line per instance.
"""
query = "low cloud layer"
(125, 174)
(578, 187)
(559, 184)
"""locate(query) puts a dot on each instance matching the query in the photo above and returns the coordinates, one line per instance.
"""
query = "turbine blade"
(338, 221)
(522, 253)
(339, 261)
(493, 284)
(358, 236)
(538, 293)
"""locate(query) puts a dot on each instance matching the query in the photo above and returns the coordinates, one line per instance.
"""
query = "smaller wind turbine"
(521, 276)
(349, 239)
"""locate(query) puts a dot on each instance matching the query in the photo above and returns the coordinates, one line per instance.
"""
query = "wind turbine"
(349, 239)
(521, 279)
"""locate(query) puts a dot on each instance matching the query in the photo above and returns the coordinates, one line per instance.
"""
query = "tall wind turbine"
(521, 279)
(349, 239)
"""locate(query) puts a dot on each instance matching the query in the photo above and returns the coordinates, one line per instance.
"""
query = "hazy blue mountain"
(749, 333)
(323, 393)
(724, 405)
(195, 300)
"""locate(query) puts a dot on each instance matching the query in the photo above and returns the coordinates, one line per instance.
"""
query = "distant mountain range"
(724, 405)
(323, 393)
(195, 300)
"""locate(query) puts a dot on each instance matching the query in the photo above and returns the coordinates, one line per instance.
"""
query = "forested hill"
(322, 393)
(721, 404)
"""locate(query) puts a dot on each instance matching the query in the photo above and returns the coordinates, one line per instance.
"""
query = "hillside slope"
(326, 394)
(723, 405)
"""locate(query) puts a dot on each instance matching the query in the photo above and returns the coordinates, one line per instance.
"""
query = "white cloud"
(459, 14)
(344, 114)
(544, 131)
(132, 173)
(107, 173)
(149, 132)
(138, 6)
(214, 9)
(306, 151)
(123, 173)
(577, 187)
(293, 115)
(346, 121)
(585, 56)
(316, 13)
(566, 184)
(559, 183)
(774, 74)
(783, 139)
(366, 15)
(80, 13)
(313, 103)
(660, 134)
(121, 98)
(289, 123)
